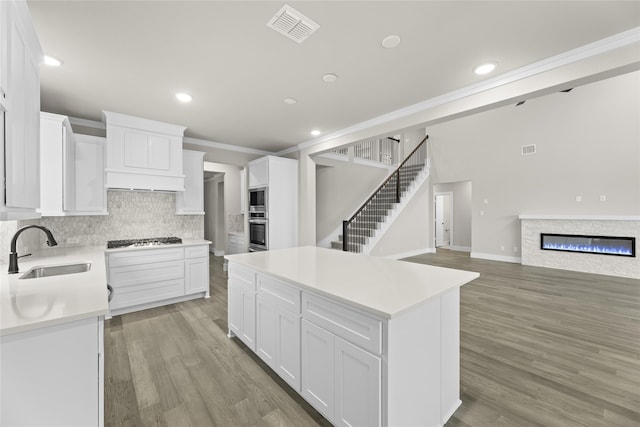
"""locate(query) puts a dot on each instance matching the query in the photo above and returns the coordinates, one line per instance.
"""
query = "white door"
(443, 219)
(317, 368)
(357, 392)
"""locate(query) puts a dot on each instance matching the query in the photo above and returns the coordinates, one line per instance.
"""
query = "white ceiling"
(132, 56)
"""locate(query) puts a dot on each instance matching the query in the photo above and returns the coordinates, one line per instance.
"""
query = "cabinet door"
(266, 331)
(318, 358)
(196, 275)
(50, 376)
(191, 200)
(357, 386)
(288, 351)
(234, 306)
(22, 149)
(90, 192)
(259, 173)
(248, 328)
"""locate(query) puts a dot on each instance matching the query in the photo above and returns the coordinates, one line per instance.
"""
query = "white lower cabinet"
(148, 278)
(318, 359)
(53, 376)
(242, 305)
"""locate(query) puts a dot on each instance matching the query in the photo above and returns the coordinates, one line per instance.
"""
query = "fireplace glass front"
(604, 245)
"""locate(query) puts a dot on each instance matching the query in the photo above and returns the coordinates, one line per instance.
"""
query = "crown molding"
(226, 147)
(571, 56)
(86, 123)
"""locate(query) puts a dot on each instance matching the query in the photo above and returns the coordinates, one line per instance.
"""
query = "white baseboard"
(216, 252)
(411, 253)
(493, 257)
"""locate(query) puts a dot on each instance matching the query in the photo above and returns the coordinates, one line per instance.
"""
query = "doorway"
(443, 219)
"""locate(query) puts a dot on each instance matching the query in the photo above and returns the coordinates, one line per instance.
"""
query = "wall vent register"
(152, 241)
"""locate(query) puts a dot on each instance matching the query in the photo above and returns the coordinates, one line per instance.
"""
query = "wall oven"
(258, 199)
(258, 234)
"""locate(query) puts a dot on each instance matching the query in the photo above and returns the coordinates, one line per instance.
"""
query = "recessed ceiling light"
(315, 132)
(51, 61)
(330, 78)
(184, 97)
(391, 41)
(290, 101)
(485, 68)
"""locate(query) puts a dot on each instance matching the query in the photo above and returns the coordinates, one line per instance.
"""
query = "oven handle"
(258, 221)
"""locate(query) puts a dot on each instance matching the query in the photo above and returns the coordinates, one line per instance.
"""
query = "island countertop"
(27, 304)
(381, 286)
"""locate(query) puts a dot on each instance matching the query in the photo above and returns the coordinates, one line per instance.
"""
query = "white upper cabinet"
(259, 173)
(71, 170)
(143, 154)
(90, 191)
(191, 200)
(20, 105)
(57, 192)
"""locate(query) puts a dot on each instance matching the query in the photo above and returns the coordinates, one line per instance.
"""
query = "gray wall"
(341, 188)
(588, 145)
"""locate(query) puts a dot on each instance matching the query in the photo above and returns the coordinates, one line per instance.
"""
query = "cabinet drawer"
(117, 259)
(146, 292)
(243, 274)
(145, 273)
(279, 292)
(196, 251)
(348, 323)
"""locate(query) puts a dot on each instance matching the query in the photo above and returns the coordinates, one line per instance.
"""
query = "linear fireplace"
(603, 245)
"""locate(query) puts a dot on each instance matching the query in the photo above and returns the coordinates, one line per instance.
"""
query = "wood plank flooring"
(539, 347)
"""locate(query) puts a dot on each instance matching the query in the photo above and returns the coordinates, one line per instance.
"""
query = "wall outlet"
(481, 213)
(502, 248)
(486, 201)
(603, 198)
(578, 198)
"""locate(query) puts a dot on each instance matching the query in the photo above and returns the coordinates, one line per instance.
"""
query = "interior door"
(443, 219)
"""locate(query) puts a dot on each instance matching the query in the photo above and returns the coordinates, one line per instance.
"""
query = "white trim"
(574, 55)
(226, 147)
(582, 217)
(86, 123)
(408, 254)
(493, 257)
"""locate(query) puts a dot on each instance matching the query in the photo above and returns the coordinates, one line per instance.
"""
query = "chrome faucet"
(13, 255)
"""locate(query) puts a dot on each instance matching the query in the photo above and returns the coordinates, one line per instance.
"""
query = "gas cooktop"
(153, 241)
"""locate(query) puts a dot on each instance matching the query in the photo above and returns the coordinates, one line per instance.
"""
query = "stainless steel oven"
(258, 234)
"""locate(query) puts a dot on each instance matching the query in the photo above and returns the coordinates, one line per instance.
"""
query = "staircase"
(362, 227)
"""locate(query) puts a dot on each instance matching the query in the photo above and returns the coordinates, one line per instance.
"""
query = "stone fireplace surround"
(599, 225)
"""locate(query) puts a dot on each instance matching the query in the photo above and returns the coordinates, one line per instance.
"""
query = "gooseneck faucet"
(13, 255)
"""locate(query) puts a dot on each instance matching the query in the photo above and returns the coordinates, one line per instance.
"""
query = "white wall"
(461, 218)
(588, 145)
(341, 188)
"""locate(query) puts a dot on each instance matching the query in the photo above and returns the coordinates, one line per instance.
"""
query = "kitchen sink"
(56, 270)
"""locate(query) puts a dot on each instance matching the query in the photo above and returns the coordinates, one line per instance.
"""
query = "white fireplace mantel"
(582, 217)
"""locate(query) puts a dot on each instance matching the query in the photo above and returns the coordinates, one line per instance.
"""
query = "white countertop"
(381, 286)
(194, 242)
(27, 304)
(580, 217)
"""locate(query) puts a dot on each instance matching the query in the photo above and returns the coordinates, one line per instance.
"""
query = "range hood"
(143, 154)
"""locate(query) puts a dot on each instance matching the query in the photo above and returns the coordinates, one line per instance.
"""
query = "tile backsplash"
(132, 215)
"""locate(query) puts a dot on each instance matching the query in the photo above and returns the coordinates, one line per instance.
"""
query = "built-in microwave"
(258, 199)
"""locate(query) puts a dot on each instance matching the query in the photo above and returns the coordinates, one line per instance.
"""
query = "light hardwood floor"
(539, 347)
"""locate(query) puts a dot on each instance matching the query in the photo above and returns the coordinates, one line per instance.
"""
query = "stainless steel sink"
(56, 270)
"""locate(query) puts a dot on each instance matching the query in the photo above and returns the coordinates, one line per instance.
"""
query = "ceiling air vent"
(292, 24)
(528, 149)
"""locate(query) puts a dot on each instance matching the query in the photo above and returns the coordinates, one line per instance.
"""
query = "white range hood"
(143, 154)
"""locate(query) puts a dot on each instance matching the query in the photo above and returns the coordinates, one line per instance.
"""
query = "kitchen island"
(51, 340)
(367, 341)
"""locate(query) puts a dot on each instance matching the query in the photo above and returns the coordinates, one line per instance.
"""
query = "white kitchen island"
(367, 341)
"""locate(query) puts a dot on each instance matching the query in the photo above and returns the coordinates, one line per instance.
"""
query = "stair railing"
(356, 228)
